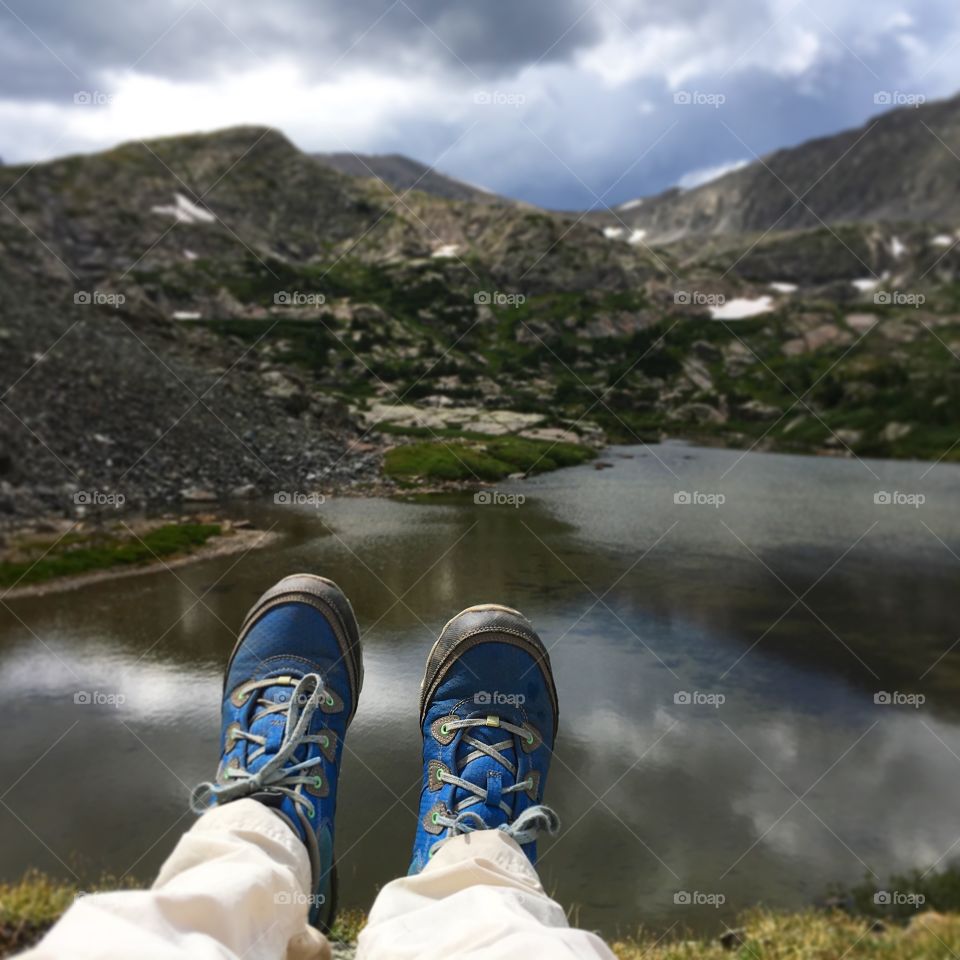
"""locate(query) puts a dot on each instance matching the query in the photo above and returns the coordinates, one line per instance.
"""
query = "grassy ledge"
(477, 457)
(38, 559)
(31, 905)
(811, 935)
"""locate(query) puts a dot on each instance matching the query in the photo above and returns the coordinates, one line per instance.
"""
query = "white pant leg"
(478, 897)
(236, 886)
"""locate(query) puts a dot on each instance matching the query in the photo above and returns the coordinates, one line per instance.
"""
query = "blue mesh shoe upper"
(290, 693)
(488, 719)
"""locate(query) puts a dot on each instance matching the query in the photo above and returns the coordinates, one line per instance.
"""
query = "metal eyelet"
(328, 745)
(435, 770)
(331, 703)
(431, 821)
(230, 738)
(532, 740)
(241, 694)
(441, 731)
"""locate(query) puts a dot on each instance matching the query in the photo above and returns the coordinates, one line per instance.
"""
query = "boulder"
(283, 386)
(862, 322)
(197, 495)
(825, 335)
(756, 410)
(844, 438)
(697, 413)
(894, 431)
(698, 374)
(705, 351)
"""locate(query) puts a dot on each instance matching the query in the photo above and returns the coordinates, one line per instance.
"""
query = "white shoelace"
(529, 824)
(274, 775)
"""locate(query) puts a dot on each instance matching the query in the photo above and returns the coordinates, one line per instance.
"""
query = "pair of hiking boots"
(488, 717)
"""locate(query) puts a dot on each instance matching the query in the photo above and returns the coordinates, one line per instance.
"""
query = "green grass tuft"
(486, 459)
(765, 935)
(29, 906)
(32, 904)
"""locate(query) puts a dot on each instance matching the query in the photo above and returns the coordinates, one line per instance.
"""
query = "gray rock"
(844, 438)
(705, 351)
(697, 413)
(197, 495)
(862, 322)
(283, 386)
(894, 431)
(824, 335)
(732, 939)
(757, 410)
(698, 374)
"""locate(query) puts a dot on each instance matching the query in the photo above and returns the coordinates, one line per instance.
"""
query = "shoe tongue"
(487, 773)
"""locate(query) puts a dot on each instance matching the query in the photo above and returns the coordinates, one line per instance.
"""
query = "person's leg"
(237, 885)
(488, 716)
(258, 865)
(479, 897)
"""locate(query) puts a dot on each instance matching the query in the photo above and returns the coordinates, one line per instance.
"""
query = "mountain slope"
(192, 312)
(401, 173)
(248, 192)
(225, 310)
(901, 166)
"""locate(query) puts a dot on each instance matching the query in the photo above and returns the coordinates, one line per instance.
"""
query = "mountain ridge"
(402, 173)
(846, 177)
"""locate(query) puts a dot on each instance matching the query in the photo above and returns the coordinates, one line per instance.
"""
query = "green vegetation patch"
(905, 894)
(765, 935)
(491, 458)
(32, 904)
(82, 553)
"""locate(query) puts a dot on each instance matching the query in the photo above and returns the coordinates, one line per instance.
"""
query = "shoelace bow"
(274, 775)
(529, 824)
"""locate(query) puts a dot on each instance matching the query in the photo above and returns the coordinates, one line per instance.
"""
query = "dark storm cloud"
(598, 120)
(478, 35)
(49, 49)
(762, 112)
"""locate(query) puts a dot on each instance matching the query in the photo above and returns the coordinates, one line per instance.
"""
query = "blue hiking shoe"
(289, 694)
(488, 715)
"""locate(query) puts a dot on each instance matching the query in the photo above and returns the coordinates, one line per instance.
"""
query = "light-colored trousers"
(237, 887)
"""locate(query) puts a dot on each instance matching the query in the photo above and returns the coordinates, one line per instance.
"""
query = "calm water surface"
(795, 601)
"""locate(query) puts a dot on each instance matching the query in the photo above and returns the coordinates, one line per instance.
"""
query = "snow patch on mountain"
(184, 210)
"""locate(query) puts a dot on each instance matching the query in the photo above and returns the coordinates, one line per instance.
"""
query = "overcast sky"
(565, 103)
